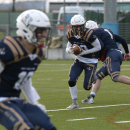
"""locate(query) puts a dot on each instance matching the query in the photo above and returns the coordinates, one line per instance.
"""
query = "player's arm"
(122, 41)
(31, 94)
(96, 47)
(124, 44)
(69, 49)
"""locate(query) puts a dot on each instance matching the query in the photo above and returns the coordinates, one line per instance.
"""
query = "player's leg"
(37, 117)
(89, 75)
(89, 79)
(12, 117)
(114, 68)
(75, 72)
(100, 75)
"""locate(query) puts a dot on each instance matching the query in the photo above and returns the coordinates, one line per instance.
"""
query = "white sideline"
(91, 107)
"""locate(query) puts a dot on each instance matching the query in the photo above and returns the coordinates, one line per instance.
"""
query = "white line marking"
(91, 107)
(50, 115)
(122, 122)
(71, 64)
(65, 70)
(45, 79)
(55, 64)
(81, 119)
(52, 70)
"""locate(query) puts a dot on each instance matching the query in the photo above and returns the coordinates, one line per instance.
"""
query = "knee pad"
(115, 78)
(71, 83)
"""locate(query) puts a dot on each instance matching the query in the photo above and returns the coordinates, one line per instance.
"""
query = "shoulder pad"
(89, 36)
(70, 34)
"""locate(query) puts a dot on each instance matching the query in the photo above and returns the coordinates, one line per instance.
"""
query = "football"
(76, 49)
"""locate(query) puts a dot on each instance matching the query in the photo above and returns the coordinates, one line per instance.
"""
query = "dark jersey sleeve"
(89, 36)
(122, 41)
(6, 55)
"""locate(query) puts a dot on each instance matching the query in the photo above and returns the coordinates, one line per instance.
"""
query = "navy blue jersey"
(122, 41)
(107, 38)
(19, 66)
(84, 42)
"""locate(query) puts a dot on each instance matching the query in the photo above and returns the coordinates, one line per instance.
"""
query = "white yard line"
(70, 64)
(122, 122)
(52, 70)
(91, 107)
(81, 119)
(55, 64)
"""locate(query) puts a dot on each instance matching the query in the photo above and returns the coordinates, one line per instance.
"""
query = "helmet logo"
(27, 19)
(77, 19)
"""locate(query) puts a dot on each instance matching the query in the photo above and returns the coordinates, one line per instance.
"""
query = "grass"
(111, 103)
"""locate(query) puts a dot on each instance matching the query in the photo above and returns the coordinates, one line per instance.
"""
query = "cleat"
(74, 105)
(89, 99)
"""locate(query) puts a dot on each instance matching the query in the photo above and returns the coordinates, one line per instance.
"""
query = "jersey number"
(109, 33)
(23, 77)
(83, 47)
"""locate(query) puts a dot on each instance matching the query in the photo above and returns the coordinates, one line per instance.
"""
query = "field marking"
(65, 70)
(91, 107)
(71, 64)
(122, 122)
(55, 64)
(52, 70)
(81, 119)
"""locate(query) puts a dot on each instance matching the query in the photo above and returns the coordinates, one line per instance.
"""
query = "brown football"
(76, 49)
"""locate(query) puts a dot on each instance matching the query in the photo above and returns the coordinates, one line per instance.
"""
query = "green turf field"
(111, 108)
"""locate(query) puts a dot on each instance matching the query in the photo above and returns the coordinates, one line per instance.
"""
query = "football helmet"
(77, 24)
(91, 24)
(27, 24)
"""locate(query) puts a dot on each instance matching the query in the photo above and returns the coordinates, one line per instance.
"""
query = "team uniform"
(113, 56)
(85, 62)
(16, 113)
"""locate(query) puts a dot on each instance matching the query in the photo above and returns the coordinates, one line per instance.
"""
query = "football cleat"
(74, 105)
(89, 99)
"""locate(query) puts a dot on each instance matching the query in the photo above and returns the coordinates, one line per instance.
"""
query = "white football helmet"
(77, 20)
(91, 24)
(29, 21)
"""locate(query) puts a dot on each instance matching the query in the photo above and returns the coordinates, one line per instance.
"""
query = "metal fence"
(4, 30)
(124, 31)
(57, 41)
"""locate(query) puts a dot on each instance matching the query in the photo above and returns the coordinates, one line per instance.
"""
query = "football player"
(19, 59)
(112, 60)
(86, 60)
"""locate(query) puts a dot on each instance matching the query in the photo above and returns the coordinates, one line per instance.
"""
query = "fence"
(124, 31)
(4, 30)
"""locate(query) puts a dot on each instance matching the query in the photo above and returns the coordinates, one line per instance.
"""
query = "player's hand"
(41, 106)
(126, 56)
(70, 50)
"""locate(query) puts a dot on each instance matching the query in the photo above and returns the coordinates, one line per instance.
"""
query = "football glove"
(42, 107)
(70, 50)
